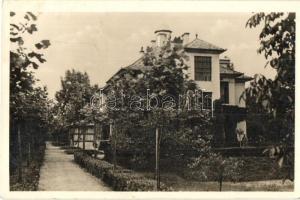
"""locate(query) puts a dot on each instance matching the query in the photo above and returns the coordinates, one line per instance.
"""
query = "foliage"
(121, 179)
(217, 168)
(22, 60)
(28, 103)
(225, 121)
(74, 95)
(31, 174)
(162, 72)
(276, 97)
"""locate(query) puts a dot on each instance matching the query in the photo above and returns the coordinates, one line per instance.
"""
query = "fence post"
(157, 158)
(20, 153)
(114, 140)
(78, 135)
(83, 137)
(94, 138)
(115, 150)
(69, 137)
(113, 143)
(28, 131)
(72, 136)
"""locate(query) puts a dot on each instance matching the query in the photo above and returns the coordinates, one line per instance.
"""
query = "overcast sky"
(101, 43)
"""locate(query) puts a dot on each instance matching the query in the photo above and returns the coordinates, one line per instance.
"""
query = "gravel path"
(60, 173)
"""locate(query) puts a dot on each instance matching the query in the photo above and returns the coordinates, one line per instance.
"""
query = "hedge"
(120, 180)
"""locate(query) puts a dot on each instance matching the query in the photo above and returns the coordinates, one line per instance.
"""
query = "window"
(207, 100)
(224, 92)
(202, 68)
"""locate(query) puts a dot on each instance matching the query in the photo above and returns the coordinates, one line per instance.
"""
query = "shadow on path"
(60, 173)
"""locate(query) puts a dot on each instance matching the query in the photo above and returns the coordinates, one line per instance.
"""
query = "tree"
(277, 96)
(160, 74)
(27, 102)
(76, 92)
(22, 59)
(215, 167)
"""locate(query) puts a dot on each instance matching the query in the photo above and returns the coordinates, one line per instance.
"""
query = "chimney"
(185, 38)
(162, 37)
(142, 51)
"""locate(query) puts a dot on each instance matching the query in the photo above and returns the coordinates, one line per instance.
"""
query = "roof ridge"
(189, 42)
(230, 69)
(139, 59)
(207, 45)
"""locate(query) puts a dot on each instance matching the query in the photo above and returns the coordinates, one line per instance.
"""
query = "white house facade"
(214, 76)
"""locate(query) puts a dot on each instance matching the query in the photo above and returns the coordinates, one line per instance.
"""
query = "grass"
(253, 169)
(30, 178)
(269, 185)
(257, 174)
(180, 184)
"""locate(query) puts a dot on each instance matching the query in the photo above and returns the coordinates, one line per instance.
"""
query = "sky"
(101, 43)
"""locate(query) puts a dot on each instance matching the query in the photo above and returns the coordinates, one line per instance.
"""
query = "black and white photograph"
(151, 101)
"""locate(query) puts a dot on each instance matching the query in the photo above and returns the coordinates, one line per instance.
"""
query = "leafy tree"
(215, 167)
(76, 92)
(22, 59)
(162, 73)
(276, 96)
(28, 103)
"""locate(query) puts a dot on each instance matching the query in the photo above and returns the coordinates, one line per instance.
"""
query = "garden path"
(60, 173)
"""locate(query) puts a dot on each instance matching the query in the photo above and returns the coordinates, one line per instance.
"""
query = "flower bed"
(120, 180)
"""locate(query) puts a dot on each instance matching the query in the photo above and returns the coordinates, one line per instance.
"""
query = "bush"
(217, 168)
(70, 151)
(120, 180)
(237, 169)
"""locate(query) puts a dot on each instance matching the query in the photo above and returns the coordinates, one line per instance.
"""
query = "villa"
(214, 76)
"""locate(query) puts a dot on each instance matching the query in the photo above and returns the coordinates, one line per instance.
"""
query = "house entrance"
(224, 87)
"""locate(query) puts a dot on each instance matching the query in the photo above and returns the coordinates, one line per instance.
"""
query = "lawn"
(180, 184)
(271, 185)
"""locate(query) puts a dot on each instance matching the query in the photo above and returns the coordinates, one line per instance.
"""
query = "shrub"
(70, 151)
(218, 168)
(121, 179)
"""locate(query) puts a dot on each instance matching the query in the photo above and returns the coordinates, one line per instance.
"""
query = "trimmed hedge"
(120, 180)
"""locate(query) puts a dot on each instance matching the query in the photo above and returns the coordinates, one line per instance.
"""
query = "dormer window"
(202, 68)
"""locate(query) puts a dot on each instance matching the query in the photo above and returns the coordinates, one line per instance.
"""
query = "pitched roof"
(138, 65)
(226, 71)
(243, 78)
(198, 44)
